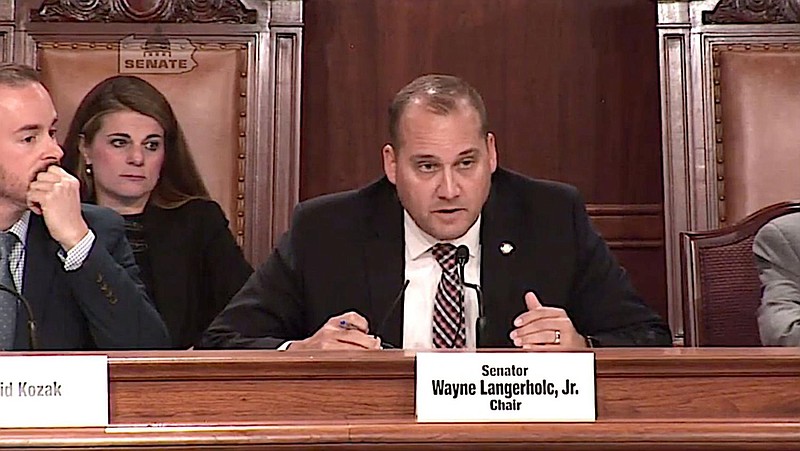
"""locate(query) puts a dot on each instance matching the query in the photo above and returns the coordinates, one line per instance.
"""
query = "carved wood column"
(6, 30)
(674, 42)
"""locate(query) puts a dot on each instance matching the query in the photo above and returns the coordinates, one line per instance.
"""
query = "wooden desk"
(649, 399)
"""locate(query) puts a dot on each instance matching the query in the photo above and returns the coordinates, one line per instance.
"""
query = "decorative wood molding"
(286, 132)
(144, 11)
(241, 156)
(629, 226)
(674, 44)
(5, 43)
(754, 12)
(6, 10)
(410, 435)
(719, 148)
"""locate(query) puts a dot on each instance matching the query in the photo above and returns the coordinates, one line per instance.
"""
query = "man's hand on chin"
(55, 194)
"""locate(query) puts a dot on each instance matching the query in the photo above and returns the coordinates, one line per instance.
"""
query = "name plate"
(508, 386)
(53, 391)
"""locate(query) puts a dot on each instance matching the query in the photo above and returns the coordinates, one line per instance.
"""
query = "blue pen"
(344, 324)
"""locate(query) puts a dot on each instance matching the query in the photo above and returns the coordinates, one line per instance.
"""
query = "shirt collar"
(418, 242)
(20, 228)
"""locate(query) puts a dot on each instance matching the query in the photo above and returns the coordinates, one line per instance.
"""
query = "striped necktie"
(449, 326)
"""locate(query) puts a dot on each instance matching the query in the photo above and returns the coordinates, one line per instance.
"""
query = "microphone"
(388, 314)
(462, 257)
(33, 339)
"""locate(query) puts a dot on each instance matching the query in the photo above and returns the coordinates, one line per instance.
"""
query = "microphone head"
(462, 255)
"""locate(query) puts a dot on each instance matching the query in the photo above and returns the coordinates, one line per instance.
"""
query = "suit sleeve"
(603, 303)
(778, 268)
(224, 267)
(268, 310)
(107, 288)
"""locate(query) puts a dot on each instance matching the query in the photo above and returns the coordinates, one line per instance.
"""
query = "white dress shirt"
(423, 273)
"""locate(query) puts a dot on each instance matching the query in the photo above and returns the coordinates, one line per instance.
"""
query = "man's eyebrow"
(463, 153)
(425, 156)
(35, 127)
(28, 128)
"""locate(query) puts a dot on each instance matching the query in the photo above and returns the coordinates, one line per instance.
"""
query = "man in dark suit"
(443, 218)
(71, 263)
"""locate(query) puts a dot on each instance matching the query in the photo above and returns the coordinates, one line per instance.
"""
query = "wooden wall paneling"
(571, 86)
(634, 234)
(629, 226)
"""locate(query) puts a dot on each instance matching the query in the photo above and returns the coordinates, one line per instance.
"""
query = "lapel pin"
(506, 248)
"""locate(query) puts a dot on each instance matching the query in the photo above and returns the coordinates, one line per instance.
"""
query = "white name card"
(53, 391)
(508, 386)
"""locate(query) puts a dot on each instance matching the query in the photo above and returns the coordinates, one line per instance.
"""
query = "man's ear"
(492, 148)
(390, 162)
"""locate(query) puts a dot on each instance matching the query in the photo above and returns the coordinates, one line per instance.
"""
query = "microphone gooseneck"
(462, 257)
(33, 339)
(389, 312)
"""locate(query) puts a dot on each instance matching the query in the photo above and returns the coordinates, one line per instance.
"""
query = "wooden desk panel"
(258, 386)
(652, 399)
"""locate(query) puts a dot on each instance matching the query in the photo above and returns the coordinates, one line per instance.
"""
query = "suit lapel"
(384, 251)
(41, 264)
(508, 243)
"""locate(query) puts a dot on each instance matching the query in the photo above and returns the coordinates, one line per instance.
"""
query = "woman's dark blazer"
(196, 264)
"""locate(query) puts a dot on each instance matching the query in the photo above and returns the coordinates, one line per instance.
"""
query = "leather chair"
(759, 133)
(205, 100)
(721, 288)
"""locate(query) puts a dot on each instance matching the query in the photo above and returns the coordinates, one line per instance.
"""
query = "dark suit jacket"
(101, 305)
(197, 266)
(345, 251)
